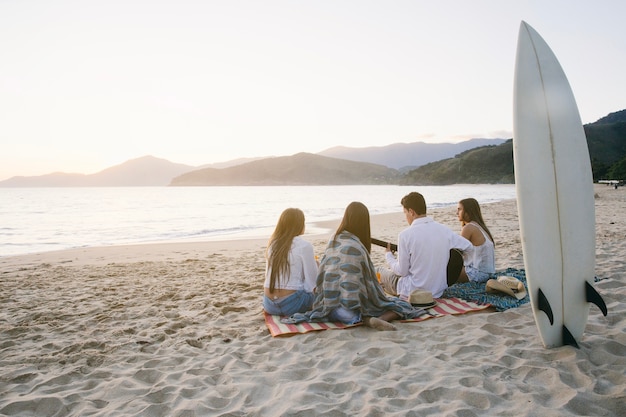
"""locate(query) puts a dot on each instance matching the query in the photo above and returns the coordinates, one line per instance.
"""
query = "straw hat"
(508, 285)
(422, 299)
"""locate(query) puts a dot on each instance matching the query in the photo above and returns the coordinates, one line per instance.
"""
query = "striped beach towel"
(444, 307)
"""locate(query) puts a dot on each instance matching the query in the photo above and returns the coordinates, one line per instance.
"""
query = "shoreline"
(381, 224)
(501, 218)
(146, 216)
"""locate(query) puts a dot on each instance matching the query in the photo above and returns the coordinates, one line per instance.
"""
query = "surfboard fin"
(544, 306)
(568, 339)
(594, 297)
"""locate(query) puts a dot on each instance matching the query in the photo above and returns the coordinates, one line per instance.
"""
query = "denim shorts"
(474, 275)
(298, 302)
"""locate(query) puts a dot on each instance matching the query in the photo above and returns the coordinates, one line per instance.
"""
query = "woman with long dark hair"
(479, 264)
(347, 287)
(291, 267)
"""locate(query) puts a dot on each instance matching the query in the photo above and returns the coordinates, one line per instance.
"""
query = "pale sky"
(85, 85)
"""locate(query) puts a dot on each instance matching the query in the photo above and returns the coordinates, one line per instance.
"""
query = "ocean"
(46, 219)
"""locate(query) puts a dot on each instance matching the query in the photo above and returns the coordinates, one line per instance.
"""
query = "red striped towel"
(444, 307)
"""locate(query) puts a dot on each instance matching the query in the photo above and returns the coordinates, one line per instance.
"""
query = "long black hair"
(471, 211)
(356, 220)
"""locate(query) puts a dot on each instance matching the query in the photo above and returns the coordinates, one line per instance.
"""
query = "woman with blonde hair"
(291, 268)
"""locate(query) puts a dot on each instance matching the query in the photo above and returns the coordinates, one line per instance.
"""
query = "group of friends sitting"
(345, 286)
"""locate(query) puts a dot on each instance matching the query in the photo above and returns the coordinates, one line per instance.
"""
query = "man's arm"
(459, 242)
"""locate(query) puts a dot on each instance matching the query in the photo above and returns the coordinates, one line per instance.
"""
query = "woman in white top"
(479, 264)
(291, 268)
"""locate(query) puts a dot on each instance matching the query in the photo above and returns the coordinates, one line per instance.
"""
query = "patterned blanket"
(347, 278)
(444, 307)
(475, 292)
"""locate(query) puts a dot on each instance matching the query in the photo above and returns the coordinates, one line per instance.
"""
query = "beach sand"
(177, 330)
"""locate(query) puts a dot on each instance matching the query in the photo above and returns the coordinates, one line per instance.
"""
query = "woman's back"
(302, 268)
(483, 255)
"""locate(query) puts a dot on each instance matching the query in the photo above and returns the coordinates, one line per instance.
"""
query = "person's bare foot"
(378, 324)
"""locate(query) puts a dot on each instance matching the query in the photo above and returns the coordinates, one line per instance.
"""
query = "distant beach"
(176, 329)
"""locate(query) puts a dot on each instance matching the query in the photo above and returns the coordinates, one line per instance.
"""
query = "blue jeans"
(298, 302)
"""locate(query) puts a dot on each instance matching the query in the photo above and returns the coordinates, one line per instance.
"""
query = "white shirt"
(302, 265)
(423, 254)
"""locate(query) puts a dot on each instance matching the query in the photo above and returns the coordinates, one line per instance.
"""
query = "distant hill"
(299, 169)
(606, 139)
(615, 117)
(231, 163)
(144, 171)
(406, 156)
(484, 165)
(55, 179)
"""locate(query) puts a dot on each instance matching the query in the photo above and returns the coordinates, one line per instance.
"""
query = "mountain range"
(407, 156)
(144, 171)
(152, 171)
(474, 161)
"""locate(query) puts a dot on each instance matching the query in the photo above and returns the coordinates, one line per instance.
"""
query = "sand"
(177, 330)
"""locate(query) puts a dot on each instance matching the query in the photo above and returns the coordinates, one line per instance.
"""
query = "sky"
(86, 85)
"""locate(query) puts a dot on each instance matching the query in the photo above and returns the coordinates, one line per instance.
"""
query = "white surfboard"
(555, 194)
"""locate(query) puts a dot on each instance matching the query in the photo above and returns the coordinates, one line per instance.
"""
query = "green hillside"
(607, 146)
(484, 165)
(606, 139)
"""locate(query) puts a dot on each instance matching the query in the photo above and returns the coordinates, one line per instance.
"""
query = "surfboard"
(555, 196)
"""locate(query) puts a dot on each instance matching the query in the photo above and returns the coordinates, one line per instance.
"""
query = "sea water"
(45, 219)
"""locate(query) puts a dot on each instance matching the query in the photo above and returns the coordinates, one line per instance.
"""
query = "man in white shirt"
(423, 253)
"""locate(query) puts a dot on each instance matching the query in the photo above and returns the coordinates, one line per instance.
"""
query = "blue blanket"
(472, 291)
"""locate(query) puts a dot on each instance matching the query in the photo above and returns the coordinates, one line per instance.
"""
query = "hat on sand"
(508, 285)
(422, 298)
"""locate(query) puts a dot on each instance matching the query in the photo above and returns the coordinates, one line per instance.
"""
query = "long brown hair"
(471, 209)
(290, 224)
(356, 220)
